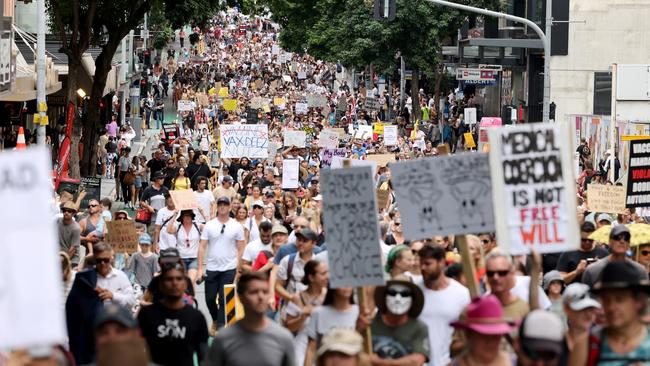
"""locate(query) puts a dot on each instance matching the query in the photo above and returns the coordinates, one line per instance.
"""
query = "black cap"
(619, 229)
(621, 275)
(158, 175)
(169, 253)
(308, 234)
(223, 199)
(115, 313)
(227, 179)
(269, 194)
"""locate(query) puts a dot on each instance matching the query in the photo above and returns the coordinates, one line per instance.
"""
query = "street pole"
(145, 32)
(123, 86)
(612, 124)
(131, 53)
(546, 106)
(40, 69)
(402, 83)
(545, 41)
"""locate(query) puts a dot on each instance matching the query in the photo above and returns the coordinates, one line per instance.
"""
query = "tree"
(80, 24)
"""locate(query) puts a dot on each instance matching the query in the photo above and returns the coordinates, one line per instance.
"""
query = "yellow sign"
(37, 118)
(45, 121)
(230, 104)
(266, 108)
(469, 140)
(634, 137)
(42, 107)
(378, 128)
(223, 92)
(212, 91)
(279, 101)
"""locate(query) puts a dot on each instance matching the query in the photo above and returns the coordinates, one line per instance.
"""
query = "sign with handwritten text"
(350, 218)
(604, 198)
(121, 234)
(238, 141)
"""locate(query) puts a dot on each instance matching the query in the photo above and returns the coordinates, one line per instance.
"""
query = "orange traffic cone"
(20, 141)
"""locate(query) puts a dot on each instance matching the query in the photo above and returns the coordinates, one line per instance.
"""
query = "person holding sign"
(187, 233)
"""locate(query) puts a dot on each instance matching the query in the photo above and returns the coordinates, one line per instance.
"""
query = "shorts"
(190, 263)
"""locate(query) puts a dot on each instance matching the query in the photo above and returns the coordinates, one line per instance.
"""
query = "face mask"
(396, 302)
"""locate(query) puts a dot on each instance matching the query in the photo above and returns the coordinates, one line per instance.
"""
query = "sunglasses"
(397, 223)
(645, 252)
(500, 273)
(623, 236)
(89, 206)
(223, 227)
(102, 260)
(68, 210)
(485, 241)
(586, 240)
(405, 293)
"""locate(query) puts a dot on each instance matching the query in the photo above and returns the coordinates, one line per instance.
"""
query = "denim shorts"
(191, 263)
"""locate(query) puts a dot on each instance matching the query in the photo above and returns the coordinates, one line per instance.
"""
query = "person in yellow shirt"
(180, 181)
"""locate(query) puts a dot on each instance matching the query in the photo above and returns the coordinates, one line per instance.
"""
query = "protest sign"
(279, 102)
(257, 102)
(328, 154)
(184, 105)
(93, 188)
(638, 176)
(287, 78)
(469, 140)
(238, 141)
(184, 199)
(444, 195)
(266, 108)
(381, 159)
(339, 162)
(328, 139)
(121, 234)
(251, 116)
(301, 108)
(372, 104)
(350, 219)
(382, 198)
(30, 269)
(302, 75)
(212, 91)
(470, 116)
(275, 49)
(363, 132)
(230, 104)
(378, 128)
(223, 92)
(533, 188)
(605, 198)
(316, 100)
(390, 135)
(290, 173)
(295, 138)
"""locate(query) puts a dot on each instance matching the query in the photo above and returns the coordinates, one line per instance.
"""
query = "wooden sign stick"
(468, 267)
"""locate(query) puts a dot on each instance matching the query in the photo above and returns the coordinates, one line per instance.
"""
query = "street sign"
(491, 67)
(475, 74)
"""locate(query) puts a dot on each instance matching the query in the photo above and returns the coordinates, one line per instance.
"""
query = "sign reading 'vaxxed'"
(238, 141)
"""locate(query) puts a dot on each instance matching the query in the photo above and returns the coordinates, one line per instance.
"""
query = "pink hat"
(484, 315)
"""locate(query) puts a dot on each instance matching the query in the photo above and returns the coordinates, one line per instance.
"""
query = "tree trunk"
(73, 163)
(415, 95)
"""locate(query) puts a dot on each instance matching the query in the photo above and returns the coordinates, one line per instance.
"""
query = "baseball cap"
(158, 175)
(541, 331)
(277, 229)
(577, 297)
(269, 193)
(223, 199)
(227, 179)
(604, 217)
(258, 203)
(169, 254)
(115, 313)
(144, 239)
(619, 229)
(345, 341)
(308, 234)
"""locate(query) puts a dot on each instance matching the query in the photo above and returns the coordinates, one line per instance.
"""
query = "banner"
(444, 195)
(350, 219)
(533, 188)
(606, 198)
(638, 176)
(290, 173)
(185, 105)
(121, 234)
(390, 135)
(328, 139)
(184, 199)
(238, 141)
(295, 138)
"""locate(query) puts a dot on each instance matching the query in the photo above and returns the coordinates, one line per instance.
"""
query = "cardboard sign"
(93, 188)
(382, 198)
(257, 102)
(279, 102)
(390, 135)
(30, 269)
(328, 139)
(605, 198)
(469, 140)
(350, 219)
(316, 100)
(328, 154)
(533, 188)
(301, 108)
(470, 116)
(638, 176)
(287, 78)
(290, 173)
(184, 199)
(230, 104)
(184, 105)
(295, 138)
(444, 195)
(122, 236)
(238, 141)
(223, 92)
(381, 159)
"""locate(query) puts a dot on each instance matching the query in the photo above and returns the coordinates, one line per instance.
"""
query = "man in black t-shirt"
(174, 330)
(572, 264)
(156, 164)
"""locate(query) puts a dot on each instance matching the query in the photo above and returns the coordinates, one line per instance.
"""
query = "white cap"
(577, 297)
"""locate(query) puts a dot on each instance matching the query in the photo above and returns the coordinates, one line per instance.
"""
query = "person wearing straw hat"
(397, 334)
(342, 347)
(619, 244)
(625, 339)
(484, 325)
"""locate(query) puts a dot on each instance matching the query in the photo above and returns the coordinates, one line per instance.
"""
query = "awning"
(24, 87)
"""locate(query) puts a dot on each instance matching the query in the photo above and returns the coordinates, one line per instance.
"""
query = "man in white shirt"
(112, 284)
(444, 301)
(256, 246)
(222, 245)
(205, 199)
(162, 239)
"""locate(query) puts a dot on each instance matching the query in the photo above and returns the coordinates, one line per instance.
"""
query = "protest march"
(284, 217)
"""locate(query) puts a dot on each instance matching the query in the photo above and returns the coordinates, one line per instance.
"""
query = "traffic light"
(385, 10)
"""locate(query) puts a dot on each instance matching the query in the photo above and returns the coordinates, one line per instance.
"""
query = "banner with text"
(638, 176)
(238, 141)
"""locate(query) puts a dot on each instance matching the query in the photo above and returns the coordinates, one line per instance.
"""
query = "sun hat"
(577, 297)
(416, 293)
(620, 275)
(69, 205)
(279, 229)
(551, 276)
(184, 213)
(541, 331)
(346, 341)
(484, 315)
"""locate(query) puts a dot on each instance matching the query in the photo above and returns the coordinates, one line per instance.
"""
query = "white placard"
(185, 105)
(350, 219)
(533, 188)
(327, 155)
(444, 195)
(31, 291)
(301, 108)
(302, 75)
(390, 135)
(275, 49)
(470, 116)
(363, 132)
(316, 100)
(295, 138)
(287, 78)
(290, 173)
(238, 141)
(328, 139)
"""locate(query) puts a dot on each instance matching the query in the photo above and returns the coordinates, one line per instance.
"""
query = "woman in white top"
(188, 236)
